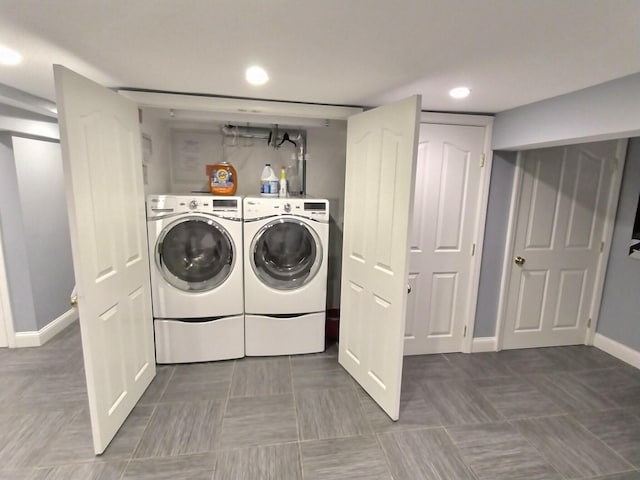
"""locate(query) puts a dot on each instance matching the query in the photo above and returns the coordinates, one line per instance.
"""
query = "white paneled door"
(4, 342)
(379, 183)
(444, 234)
(5, 312)
(559, 232)
(100, 139)
(4, 318)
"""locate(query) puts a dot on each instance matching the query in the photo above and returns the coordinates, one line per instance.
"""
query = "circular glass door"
(286, 254)
(195, 254)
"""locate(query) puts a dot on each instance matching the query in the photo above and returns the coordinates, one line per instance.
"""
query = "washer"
(195, 250)
(285, 274)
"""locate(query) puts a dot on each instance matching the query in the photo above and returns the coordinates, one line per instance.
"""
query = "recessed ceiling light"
(460, 92)
(257, 75)
(9, 56)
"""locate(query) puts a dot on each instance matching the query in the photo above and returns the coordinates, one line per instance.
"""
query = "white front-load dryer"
(285, 274)
(195, 250)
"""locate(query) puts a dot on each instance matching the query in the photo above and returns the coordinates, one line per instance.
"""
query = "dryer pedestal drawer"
(284, 336)
(179, 341)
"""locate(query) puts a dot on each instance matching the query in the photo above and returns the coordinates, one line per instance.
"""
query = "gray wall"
(14, 119)
(15, 248)
(157, 169)
(620, 309)
(327, 157)
(606, 111)
(35, 231)
(46, 226)
(494, 243)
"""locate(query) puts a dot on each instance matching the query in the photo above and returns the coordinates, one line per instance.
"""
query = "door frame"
(485, 121)
(6, 315)
(607, 235)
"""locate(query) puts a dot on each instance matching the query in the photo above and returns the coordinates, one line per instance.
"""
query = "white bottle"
(283, 182)
(264, 179)
(268, 182)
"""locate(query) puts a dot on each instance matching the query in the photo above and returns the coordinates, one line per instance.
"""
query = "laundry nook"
(319, 240)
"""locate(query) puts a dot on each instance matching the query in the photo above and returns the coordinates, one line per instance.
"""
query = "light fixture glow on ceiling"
(460, 92)
(257, 75)
(9, 56)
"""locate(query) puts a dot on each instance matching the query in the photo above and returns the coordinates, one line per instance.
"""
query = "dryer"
(195, 251)
(285, 274)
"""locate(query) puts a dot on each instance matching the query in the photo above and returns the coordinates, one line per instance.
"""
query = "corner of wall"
(495, 237)
(618, 316)
(13, 241)
(617, 349)
(37, 338)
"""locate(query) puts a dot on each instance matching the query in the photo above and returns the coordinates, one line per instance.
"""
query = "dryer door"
(195, 254)
(286, 254)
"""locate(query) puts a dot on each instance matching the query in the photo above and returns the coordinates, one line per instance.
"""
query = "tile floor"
(555, 413)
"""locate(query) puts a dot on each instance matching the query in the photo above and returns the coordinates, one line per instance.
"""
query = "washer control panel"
(163, 205)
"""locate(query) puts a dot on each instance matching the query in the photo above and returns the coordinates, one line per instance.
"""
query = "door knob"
(408, 288)
(519, 261)
(74, 301)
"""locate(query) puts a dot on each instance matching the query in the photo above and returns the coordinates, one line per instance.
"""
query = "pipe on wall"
(275, 136)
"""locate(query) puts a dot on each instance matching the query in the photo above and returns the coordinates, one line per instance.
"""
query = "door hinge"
(464, 334)
(482, 160)
(473, 249)
(602, 246)
(589, 323)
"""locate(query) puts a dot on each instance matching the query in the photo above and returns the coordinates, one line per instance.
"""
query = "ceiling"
(344, 52)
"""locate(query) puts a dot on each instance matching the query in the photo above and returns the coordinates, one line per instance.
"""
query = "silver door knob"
(519, 261)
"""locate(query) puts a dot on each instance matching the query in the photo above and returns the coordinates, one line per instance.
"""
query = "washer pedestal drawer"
(184, 341)
(265, 335)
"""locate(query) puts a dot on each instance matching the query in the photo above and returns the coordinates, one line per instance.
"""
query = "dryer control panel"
(263, 207)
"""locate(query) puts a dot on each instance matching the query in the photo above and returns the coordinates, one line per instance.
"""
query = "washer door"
(286, 254)
(195, 254)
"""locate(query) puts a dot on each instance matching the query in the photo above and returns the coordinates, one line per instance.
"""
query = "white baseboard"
(617, 349)
(46, 333)
(484, 344)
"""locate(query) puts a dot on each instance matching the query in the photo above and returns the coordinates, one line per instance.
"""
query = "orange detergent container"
(223, 179)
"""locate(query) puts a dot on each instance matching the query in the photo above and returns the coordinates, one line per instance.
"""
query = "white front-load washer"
(195, 251)
(285, 274)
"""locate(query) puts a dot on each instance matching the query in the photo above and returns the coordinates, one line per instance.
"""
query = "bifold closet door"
(102, 160)
(380, 174)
